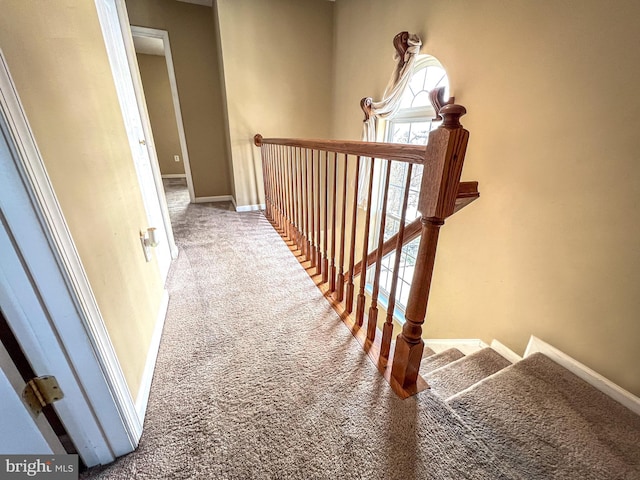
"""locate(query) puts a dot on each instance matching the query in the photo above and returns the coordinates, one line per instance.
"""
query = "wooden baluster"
(294, 220)
(325, 258)
(298, 170)
(305, 203)
(445, 154)
(285, 195)
(278, 185)
(264, 173)
(340, 277)
(269, 182)
(312, 206)
(287, 171)
(309, 207)
(387, 329)
(282, 196)
(332, 269)
(296, 194)
(300, 201)
(365, 248)
(352, 245)
(318, 220)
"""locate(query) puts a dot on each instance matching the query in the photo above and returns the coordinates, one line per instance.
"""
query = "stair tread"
(466, 371)
(427, 352)
(438, 360)
(542, 418)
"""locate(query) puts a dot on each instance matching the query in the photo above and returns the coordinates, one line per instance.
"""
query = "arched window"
(412, 123)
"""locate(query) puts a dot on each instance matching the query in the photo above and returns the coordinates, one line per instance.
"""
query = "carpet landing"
(257, 378)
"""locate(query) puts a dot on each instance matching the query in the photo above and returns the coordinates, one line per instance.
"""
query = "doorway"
(157, 75)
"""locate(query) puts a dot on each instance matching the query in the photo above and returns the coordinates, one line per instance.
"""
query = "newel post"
(444, 158)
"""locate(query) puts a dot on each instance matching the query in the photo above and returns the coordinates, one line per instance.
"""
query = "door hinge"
(40, 392)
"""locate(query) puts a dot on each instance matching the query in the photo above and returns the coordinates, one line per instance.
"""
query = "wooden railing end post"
(451, 114)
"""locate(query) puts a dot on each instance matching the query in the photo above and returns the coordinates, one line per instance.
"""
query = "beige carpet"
(257, 378)
(540, 418)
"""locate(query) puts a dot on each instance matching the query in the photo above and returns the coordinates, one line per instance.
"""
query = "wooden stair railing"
(311, 198)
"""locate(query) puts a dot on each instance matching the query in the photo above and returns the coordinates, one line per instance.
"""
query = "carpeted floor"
(257, 378)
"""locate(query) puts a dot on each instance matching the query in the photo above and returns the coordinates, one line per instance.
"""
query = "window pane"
(419, 133)
(421, 99)
(435, 78)
(394, 201)
(398, 172)
(400, 133)
(417, 81)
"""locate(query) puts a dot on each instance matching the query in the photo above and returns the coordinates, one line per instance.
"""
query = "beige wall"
(551, 247)
(277, 58)
(195, 59)
(58, 61)
(157, 92)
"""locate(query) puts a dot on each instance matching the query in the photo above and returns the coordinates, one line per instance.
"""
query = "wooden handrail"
(389, 151)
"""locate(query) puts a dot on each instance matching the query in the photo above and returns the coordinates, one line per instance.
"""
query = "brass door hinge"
(40, 392)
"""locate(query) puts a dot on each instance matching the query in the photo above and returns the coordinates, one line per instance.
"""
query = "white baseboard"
(465, 345)
(505, 351)
(593, 378)
(249, 208)
(150, 365)
(174, 175)
(218, 198)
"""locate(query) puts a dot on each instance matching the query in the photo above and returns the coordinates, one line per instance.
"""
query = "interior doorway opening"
(161, 93)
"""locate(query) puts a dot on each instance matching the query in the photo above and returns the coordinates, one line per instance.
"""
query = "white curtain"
(388, 106)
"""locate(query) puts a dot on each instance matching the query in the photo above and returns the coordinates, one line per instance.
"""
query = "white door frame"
(137, 83)
(48, 302)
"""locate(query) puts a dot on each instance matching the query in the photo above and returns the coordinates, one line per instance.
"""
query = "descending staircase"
(537, 416)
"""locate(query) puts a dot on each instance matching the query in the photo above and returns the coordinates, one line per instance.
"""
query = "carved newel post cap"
(451, 114)
(257, 140)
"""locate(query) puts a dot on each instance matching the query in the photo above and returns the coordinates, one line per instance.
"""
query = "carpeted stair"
(464, 372)
(536, 416)
(427, 352)
(435, 361)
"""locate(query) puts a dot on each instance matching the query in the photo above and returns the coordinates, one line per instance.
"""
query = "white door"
(138, 141)
(48, 304)
(22, 433)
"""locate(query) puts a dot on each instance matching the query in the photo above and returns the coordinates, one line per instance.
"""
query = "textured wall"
(277, 58)
(58, 61)
(551, 247)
